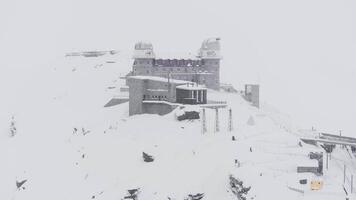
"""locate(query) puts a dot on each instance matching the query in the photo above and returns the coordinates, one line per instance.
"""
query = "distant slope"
(68, 146)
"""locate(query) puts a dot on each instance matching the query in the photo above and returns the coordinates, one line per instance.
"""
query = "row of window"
(179, 62)
(177, 69)
(176, 62)
(154, 97)
(141, 62)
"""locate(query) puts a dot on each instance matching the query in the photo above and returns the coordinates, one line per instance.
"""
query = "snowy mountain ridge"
(68, 146)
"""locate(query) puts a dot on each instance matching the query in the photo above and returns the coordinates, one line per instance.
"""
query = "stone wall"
(141, 89)
(160, 108)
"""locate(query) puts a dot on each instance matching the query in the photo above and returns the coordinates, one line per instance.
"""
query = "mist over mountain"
(301, 52)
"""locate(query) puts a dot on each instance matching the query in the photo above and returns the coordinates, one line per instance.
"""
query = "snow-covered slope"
(68, 146)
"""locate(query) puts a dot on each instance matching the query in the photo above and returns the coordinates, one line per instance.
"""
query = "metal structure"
(348, 182)
(337, 138)
(331, 140)
(327, 141)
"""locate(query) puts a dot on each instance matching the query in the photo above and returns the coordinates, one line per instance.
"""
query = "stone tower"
(143, 59)
(210, 56)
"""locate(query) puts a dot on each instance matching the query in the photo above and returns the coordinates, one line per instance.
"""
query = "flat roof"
(191, 87)
(161, 102)
(176, 55)
(157, 78)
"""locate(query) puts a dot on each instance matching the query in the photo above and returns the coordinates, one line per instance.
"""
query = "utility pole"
(217, 120)
(204, 122)
(230, 119)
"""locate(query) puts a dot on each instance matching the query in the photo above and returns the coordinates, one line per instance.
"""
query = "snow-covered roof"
(161, 102)
(143, 45)
(210, 49)
(309, 163)
(176, 55)
(156, 78)
(157, 90)
(143, 50)
(191, 87)
(211, 44)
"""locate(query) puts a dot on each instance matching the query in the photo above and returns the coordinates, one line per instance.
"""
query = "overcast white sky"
(302, 52)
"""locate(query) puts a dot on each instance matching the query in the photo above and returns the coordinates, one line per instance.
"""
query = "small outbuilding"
(252, 94)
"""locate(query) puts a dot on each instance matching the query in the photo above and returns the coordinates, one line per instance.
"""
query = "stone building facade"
(203, 69)
(158, 95)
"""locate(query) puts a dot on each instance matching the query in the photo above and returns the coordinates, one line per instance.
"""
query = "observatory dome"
(143, 50)
(143, 46)
(210, 49)
(211, 44)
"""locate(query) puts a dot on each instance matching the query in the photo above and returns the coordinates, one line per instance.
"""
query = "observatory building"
(203, 69)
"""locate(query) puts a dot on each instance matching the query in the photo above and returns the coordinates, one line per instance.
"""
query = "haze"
(301, 52)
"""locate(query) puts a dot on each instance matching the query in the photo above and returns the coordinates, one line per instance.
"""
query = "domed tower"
(209, 53)
(143, 58)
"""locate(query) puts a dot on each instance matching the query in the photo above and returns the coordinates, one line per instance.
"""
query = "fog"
(301, 52)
